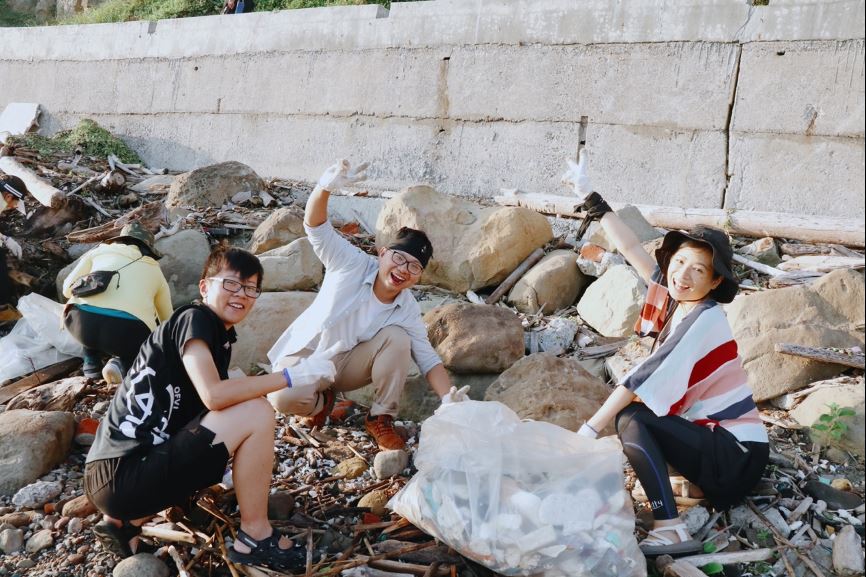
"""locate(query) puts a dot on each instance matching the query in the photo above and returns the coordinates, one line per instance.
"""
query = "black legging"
(725, 469)
(114, 336)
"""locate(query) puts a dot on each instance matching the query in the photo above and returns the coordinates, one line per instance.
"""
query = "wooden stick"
(39, 188)
(678, 568)
(363, 560)
(167, 534)
(750, 556)
(434, 570)
(846, 231)
(760, 267)
(43, 375)
(175, 556)
(225, 552)
(780, 539)
(309, 565)
(515, 276)
(411, 568)
(856, 360)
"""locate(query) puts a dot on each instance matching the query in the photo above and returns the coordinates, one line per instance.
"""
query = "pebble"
(141, 565)
(834, 498)
(26, 564)
(39, 541)
(35, 495)
(18, 519)
(847, 553)
(11, 540)
(75, 526)
(79, 507)
(351, 468)
(387, 464)
(376, 501)
(281, 504)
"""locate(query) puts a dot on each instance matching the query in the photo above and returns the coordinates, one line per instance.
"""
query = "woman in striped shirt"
(688, 405)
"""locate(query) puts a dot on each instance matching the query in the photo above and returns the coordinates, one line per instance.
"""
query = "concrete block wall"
(708, 104)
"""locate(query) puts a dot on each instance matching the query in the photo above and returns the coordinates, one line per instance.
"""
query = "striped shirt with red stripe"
(696, 373)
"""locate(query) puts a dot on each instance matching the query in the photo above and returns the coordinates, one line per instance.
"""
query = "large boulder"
(823, 314)
(475, 338)
(212, 186)
(184, 255)
(547, 388)
(848, 392)
(257, 333)
(292, 267)
(31, 444)
(612, 304)
(282, 226)
(473, 246)
(552, 284)
(634, 219)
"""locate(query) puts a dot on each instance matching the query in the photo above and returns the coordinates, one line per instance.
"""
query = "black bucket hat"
(723, 256)
(136, 233)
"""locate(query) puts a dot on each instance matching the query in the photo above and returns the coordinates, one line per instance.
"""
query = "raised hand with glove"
(341, 175)
(456, 395)
(594, 206)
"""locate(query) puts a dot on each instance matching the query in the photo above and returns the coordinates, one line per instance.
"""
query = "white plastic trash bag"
(522, 497)
(37, 339)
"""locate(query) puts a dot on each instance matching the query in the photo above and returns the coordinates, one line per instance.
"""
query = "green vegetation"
(126, 10)
(832, 425)
(9, 17)
(92, 139)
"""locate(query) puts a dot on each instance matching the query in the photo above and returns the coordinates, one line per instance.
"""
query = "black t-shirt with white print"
(157, 398)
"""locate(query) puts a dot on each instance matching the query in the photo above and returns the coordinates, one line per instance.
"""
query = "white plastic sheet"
(522, 497)
(37, 340)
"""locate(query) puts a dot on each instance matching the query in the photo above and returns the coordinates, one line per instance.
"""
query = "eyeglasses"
(412, 266)
(235, 287)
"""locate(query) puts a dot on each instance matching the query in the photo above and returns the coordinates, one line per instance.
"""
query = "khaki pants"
(383, 361)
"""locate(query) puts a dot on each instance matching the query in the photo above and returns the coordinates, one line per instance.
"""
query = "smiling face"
(230, 307)
(398, 270)
(690, 273)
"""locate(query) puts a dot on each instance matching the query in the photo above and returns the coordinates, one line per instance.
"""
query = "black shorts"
(143, 483)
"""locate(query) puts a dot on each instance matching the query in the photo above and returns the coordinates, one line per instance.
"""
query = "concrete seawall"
(708, 104)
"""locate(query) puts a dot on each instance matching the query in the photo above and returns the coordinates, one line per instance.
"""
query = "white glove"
(342, 175)
(317, 367)
(577, 175)
(586, 431)
(456, 395)
(13, 246)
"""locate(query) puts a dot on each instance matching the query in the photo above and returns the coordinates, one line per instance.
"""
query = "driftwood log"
(856, 360)
(845, 231)
(39, 188)
(515, 276)
(150, 215)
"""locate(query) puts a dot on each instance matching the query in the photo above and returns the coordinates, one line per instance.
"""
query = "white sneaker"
(112, 372)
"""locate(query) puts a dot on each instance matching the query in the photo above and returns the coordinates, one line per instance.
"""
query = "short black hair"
(243, 262)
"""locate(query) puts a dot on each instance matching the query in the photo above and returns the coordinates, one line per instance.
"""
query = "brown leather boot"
(381, 428)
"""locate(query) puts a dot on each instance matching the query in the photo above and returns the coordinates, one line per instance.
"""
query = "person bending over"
(177, 418)
(366, 310)
(688, 405)
(116, 321)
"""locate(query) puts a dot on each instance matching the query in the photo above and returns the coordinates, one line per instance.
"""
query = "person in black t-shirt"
(176, 419)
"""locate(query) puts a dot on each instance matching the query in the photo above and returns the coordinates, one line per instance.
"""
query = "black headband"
(12, 190)
(415, 243)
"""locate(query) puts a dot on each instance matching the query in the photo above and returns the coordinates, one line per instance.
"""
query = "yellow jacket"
(143, 290)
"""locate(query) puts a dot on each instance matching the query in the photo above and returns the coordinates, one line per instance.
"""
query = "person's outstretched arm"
(622, 237)
(339, 175)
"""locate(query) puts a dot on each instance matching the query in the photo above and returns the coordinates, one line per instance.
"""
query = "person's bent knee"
(293, 401)
(397, 338)
(626, 416)
(259, 411)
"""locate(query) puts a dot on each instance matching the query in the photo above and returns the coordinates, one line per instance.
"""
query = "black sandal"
(267, 553)
(116, 539)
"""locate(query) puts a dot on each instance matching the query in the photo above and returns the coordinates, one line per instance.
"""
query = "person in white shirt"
(365, 316)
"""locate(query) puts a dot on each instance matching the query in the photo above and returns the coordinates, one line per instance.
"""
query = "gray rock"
(776, 519)
(39, 541)
(834, 498)
(31, 444)
(848, 553)
(141, 565)
(475, 338)
(633, 353)
(763, 250)
(292, 267)
(389, 463)
(75, 526)
(557, 336)
(597, 269)
(611, 304)
(155, 183)
(552, 284)
(557, 390)
(695, 518)
(212, 186)
(823, 314)
(26, 564)
(184, 256)
(35, 495)
(742, 517)
(11, 540)
(281, 505)
(282, 226)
